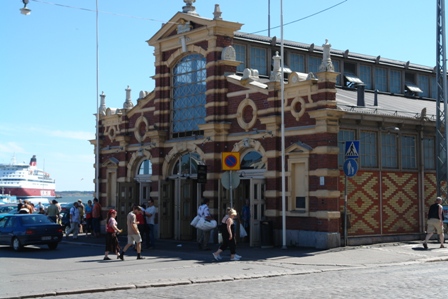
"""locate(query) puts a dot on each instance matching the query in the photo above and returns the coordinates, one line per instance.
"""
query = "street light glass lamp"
(24, 10)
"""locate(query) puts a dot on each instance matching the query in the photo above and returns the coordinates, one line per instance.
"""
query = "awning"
(353, 79)
(412, 88)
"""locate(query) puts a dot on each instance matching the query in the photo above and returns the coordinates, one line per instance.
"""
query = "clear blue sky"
(48, 69)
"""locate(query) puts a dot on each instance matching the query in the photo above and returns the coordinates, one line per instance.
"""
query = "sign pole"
(345, 214)
(350, 169)
(231, 189)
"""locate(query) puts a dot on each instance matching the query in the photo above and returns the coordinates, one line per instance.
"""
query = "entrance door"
(257, 208)
(185, 207)
(166, 210)
(127, 197)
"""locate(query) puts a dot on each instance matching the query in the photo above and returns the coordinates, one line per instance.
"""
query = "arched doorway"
(252, 189)
(180, 197)
(143, 177)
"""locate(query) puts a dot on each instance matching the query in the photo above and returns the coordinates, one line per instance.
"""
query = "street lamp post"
(25, 10)
(282, 92)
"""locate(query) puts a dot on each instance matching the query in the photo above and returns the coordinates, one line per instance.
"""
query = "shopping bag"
(200, 223)
(195, 220)
(209, 225)
(219, 238)
(206, 225)
(243, 232)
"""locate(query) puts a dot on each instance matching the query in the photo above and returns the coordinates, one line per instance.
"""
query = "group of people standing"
(85, 218)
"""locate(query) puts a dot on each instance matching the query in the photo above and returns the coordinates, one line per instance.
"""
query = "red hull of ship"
(22, 193)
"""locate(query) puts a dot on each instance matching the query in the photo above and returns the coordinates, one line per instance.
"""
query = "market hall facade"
(218, 90)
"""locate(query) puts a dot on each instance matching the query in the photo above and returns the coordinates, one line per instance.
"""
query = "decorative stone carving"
(189, 8)
(326, 65)
(217, 13)
(250, 74)
(228, 53)
(142, 94)
(128, 103)
(102, 109)
(276, 74)
(183, 26)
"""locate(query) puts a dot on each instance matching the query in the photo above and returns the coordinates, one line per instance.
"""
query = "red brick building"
(219, 90)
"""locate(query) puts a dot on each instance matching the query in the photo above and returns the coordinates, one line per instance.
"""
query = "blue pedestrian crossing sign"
(350, 167)
(352, 149)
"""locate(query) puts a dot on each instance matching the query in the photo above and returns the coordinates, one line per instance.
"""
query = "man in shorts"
(133, 232)
(435, 222)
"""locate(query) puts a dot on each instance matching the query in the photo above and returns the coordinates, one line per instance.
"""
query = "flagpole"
(97, 158)
(269, 18)
(282, 87)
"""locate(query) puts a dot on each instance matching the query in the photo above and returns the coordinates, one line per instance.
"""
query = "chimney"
(33, 161)
(360, 102)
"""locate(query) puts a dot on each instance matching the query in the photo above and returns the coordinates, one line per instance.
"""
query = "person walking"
(112, 231)
(203, 236)
(150, 213)
(53, 211)
(81, 215)
(96, 217)
(74, 221)
(89, 208)
(133, 233)
(435, 222)
(228, 237)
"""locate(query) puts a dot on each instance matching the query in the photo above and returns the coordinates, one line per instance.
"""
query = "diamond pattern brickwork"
(399, 202)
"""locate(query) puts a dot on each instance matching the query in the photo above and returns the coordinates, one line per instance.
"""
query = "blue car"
(18, 230)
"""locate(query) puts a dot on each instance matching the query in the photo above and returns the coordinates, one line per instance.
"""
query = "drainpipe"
(380, 162)
(421, 184)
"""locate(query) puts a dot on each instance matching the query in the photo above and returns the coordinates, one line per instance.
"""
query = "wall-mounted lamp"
(246, 142)
(25, 10)
(242, 174)
(264, 132)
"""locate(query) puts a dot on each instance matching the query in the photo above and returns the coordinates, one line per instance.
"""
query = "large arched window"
(187, 165)
(189, 96)
(253, 160)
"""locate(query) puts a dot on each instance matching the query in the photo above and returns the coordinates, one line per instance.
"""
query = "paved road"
(410, 281)
(179, 270)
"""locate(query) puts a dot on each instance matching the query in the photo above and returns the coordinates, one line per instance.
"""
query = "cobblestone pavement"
(179, 270)
(410, 281)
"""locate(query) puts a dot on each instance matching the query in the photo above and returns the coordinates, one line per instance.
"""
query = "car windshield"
(7, 209)
(35, 219)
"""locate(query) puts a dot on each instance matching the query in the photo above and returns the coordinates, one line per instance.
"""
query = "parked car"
(18, 230)
(9, 208)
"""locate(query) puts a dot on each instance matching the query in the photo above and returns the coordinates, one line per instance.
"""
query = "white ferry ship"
(26, 181)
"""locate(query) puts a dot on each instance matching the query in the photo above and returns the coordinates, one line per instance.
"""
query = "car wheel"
(53, 246)
(15, 244)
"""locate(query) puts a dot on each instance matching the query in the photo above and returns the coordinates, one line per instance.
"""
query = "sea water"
(72, 199)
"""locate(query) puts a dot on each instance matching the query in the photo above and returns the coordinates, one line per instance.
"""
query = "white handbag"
(243, 232)
(195, 220)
